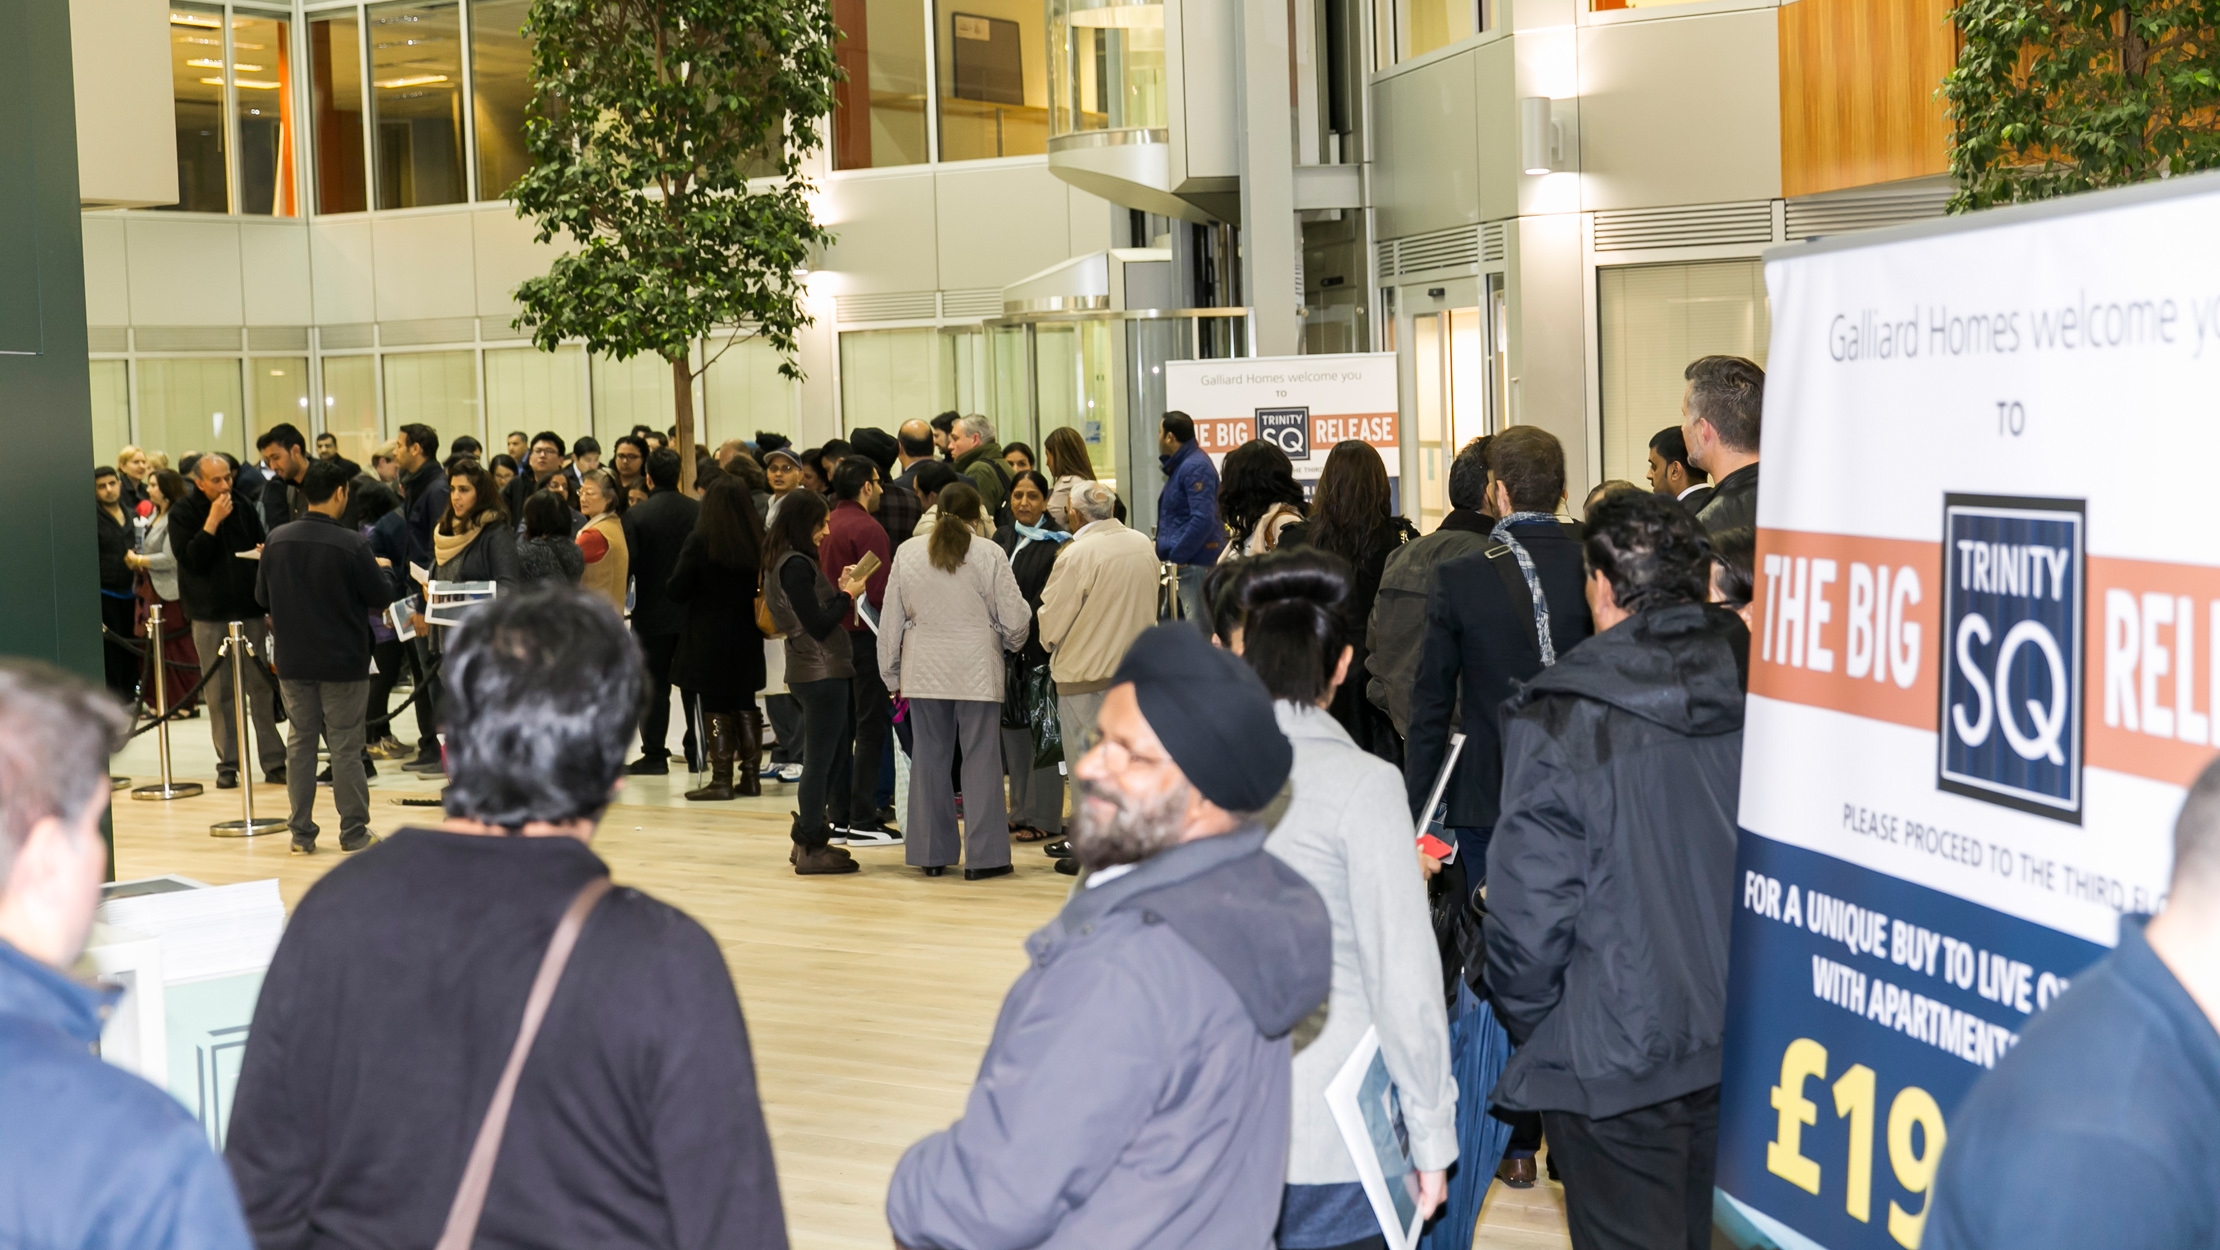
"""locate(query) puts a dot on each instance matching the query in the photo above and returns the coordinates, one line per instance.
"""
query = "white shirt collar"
(1693, 489)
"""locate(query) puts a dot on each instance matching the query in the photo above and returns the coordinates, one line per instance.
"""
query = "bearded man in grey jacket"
(1136, 1090)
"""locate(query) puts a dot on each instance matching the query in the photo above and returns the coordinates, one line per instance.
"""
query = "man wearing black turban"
(1136, 1090)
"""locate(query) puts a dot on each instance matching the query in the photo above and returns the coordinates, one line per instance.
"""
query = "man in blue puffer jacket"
(1188, 532)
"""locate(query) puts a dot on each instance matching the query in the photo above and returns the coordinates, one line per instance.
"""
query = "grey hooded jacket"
(1135, 1091)
(1611, 873)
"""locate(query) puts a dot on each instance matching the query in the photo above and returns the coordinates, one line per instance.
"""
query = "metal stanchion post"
(236, 644)
(168, 789)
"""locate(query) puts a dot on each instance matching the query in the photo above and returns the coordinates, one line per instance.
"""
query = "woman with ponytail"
(952, 608)
(1344, 831)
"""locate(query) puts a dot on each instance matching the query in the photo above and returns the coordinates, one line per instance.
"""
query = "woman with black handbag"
(1031, 540)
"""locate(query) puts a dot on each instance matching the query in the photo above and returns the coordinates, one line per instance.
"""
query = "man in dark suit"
(1671, 474)
(654, 529)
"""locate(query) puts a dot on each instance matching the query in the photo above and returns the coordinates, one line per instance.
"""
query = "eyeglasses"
(1120, 754)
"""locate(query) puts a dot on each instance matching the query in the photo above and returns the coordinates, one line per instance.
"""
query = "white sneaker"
(872, 835)
(790, 772)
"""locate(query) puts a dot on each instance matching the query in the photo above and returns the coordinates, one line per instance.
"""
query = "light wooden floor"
(869, 997)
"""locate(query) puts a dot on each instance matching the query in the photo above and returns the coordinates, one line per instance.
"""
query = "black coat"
(654, 530)
(1611, 873)
(1733, 501)
(720, 651)
(423, 503)
(1032, 567)
(321, 584)
(213, 583)
(1474, 655)
(387, 1016)
(115, 543)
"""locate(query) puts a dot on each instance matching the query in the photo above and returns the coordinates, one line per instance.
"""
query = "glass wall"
(191, 404)
(111, 409)
(197, 81)
(1430, 24)
(1653, 320)
(351, 405)
(632, 392)
(416, 103)
(993, 78)
(501, 89)
(531, 390)
(335, 103)
(438, 389)
(262, 95)
(879, 109)
(1109, 65)
(279, 385)
(890, 376)
(744, 392)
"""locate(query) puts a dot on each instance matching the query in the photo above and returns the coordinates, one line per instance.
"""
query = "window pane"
(111, 408)
(744, 392)
(632, 392)
(1431, 24)
(351, 405)
(1654, 319)
(196, 75)
(879, 111)
(531, 390)
(280, 387)
(416, 103)
(438, 389)
(500, 68)
(191, 405)
(993, 79)
(335, 91)
(1109, 65)
(889, 376)
(262, 82)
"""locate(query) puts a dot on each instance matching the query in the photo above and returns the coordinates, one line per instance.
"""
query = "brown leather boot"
(748, 768)
(816, 860)
(720, 745)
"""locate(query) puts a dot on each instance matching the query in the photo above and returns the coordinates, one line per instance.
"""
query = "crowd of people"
(1229, 732)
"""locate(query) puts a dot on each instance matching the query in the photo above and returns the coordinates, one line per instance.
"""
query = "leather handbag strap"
(470, 1199)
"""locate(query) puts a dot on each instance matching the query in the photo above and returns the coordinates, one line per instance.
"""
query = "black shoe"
(874, 833)
(324, 778)
(304, 846)
(1058, 849)
(1068, 866)
(424, 764)
(649, 766)
(227, 780)
(886, 815)
(352, 844)
(275, 776)
(981, 874)
(936, 871)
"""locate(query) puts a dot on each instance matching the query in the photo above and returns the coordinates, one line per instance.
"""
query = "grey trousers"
(209, 635)
(937, 727)
(332, 710)
(1076, 713)
(1036, 794)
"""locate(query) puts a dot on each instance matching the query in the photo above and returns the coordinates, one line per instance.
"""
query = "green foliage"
(2051, 97)
(647, 116)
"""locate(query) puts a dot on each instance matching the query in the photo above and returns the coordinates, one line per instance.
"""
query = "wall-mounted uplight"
(1541, 140)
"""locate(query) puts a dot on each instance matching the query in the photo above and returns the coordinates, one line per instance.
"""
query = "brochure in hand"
(1432, 841)
(1365, 1107)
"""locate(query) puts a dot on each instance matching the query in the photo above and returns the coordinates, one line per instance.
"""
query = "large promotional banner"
(1305, 404)
(1985, 660)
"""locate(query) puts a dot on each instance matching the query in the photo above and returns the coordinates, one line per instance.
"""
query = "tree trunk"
(682, 386)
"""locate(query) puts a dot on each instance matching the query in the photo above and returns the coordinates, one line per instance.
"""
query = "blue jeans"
(1191, 594)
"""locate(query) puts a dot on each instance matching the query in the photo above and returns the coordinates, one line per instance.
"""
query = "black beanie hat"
(1211, 713)
(877, 444)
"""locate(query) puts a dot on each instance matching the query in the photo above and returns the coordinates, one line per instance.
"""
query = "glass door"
(1453, 372)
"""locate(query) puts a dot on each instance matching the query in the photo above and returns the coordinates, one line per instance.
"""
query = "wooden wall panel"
(1858, 83)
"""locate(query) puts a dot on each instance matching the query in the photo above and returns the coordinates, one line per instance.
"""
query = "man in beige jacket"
(1100, 596)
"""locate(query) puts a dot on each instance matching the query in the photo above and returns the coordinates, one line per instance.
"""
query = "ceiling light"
(239, 65)
(206, 62)
(195, 19)
(414, 80)
(256, 85)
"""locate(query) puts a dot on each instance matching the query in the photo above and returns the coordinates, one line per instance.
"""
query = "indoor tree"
(2050, 97)
(647, 119)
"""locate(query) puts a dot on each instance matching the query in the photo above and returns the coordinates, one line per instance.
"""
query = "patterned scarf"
(1502, 534)
(1041, 534)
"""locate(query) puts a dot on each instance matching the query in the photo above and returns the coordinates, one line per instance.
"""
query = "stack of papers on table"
(211, 931)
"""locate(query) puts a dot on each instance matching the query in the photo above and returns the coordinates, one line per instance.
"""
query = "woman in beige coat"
(608, 559)
(952, 608)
